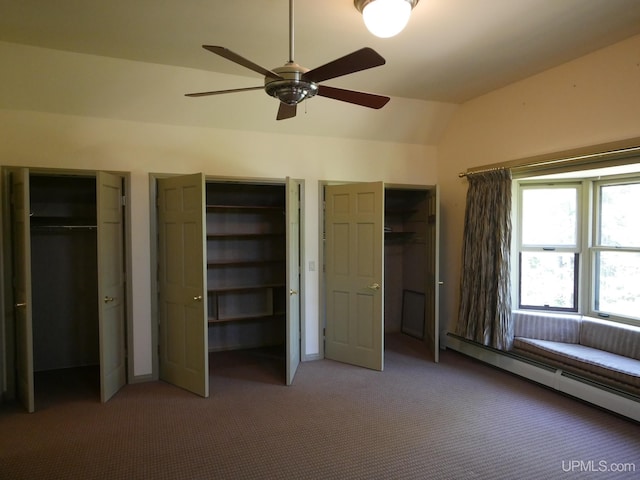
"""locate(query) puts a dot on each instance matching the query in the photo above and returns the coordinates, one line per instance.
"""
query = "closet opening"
(246, 272)
(408, 259)
(64, 286)
(64, 272)
(380, 271)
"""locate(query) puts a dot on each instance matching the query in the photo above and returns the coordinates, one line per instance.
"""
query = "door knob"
(374, 286)
(18, 305)
(293, 292)
(108, 299)
(198, 298)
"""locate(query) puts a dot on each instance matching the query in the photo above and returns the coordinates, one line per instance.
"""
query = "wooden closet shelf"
(242, 263)
(399, 234)
(243, 235)
(246, 208)
(246, 288)
(266, 316)
(62, 222)
(399, 212)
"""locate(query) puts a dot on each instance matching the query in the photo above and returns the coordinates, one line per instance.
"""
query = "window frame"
(588, 246)
(576, 249)
(597, 247)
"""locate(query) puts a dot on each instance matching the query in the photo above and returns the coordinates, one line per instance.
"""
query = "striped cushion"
(580, 358)
(545, 326)
(611, 337)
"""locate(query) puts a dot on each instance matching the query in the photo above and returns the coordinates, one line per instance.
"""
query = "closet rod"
(64, 227)
(543, 163)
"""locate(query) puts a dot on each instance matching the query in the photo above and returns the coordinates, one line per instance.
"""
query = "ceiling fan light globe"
(386, 18)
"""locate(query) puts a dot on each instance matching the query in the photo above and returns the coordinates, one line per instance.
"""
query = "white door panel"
(182, 283)
(293, 278)
(111, 311)
(23, 299)
(354, 258)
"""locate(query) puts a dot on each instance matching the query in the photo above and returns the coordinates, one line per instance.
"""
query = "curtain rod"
(540, 163)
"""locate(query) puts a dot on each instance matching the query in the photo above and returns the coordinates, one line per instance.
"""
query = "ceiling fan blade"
(234, 57)
(286, 111)
(354, 62)
(219, 92)
(351, 96)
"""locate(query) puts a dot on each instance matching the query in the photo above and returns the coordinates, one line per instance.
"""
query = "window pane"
(619, 218)
(617, 283)
(547, 280)
(549, 216)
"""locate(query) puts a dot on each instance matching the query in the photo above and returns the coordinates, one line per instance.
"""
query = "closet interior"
(406, 235)
(64, 284)
(246, 276)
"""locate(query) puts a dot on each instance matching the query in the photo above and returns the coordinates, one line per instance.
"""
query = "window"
(578, 245)
(549, 247)
(616, 251)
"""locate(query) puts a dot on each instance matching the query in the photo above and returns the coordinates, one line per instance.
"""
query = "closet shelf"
(63, 227)
(242, 263)
(245, 288)
(62, 222)
(399, 212)
(266, 316)
(245, 208)
(398, 234)
(243, 235)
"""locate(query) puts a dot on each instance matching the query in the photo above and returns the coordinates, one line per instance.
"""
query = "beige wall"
(593, 100)
(45, 140)
(590, 101)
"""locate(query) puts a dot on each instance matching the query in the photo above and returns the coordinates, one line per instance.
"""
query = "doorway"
(228, 277)
(66, 254)
(380, 252)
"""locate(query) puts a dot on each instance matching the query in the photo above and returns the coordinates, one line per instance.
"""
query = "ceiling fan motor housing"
(291, 88)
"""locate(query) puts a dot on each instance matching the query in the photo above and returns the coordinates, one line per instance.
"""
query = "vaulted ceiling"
(451, 51)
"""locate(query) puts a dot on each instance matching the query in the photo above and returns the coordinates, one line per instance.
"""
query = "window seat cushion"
(611, 337)
(601, 365)
(546, 326)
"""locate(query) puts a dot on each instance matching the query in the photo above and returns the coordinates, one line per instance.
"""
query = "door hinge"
(123, 201)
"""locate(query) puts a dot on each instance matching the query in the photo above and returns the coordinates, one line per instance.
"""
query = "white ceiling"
(451, 51)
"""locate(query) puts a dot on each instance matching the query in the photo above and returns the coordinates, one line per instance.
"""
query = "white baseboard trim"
(573, 385)
(142, 379)
(312, 357)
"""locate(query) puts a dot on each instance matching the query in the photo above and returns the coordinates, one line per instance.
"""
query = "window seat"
(604, 351)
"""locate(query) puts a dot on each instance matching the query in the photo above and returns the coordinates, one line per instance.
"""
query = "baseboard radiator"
(595, 393)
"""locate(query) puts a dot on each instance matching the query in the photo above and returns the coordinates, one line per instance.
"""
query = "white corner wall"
(589, 101)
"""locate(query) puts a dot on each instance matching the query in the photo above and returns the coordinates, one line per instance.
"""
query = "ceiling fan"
(292, 83)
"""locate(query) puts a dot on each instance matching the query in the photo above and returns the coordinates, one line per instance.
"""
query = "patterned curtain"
(485, 297)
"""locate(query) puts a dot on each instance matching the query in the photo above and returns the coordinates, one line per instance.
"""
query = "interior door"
(354, 259)
(432, 320)
(293, 277)
(111, 316)
(182, 283)
(23, 301)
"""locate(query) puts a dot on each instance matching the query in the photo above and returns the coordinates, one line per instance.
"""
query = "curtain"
(485, 297)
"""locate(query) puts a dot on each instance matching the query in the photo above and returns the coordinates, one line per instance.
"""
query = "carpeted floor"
(458, 419)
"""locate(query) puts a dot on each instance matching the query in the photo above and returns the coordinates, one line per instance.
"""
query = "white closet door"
(432, 336)
(293, 277)
(354, 220)
(23, 300)
(111, 311)
(183, 338)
